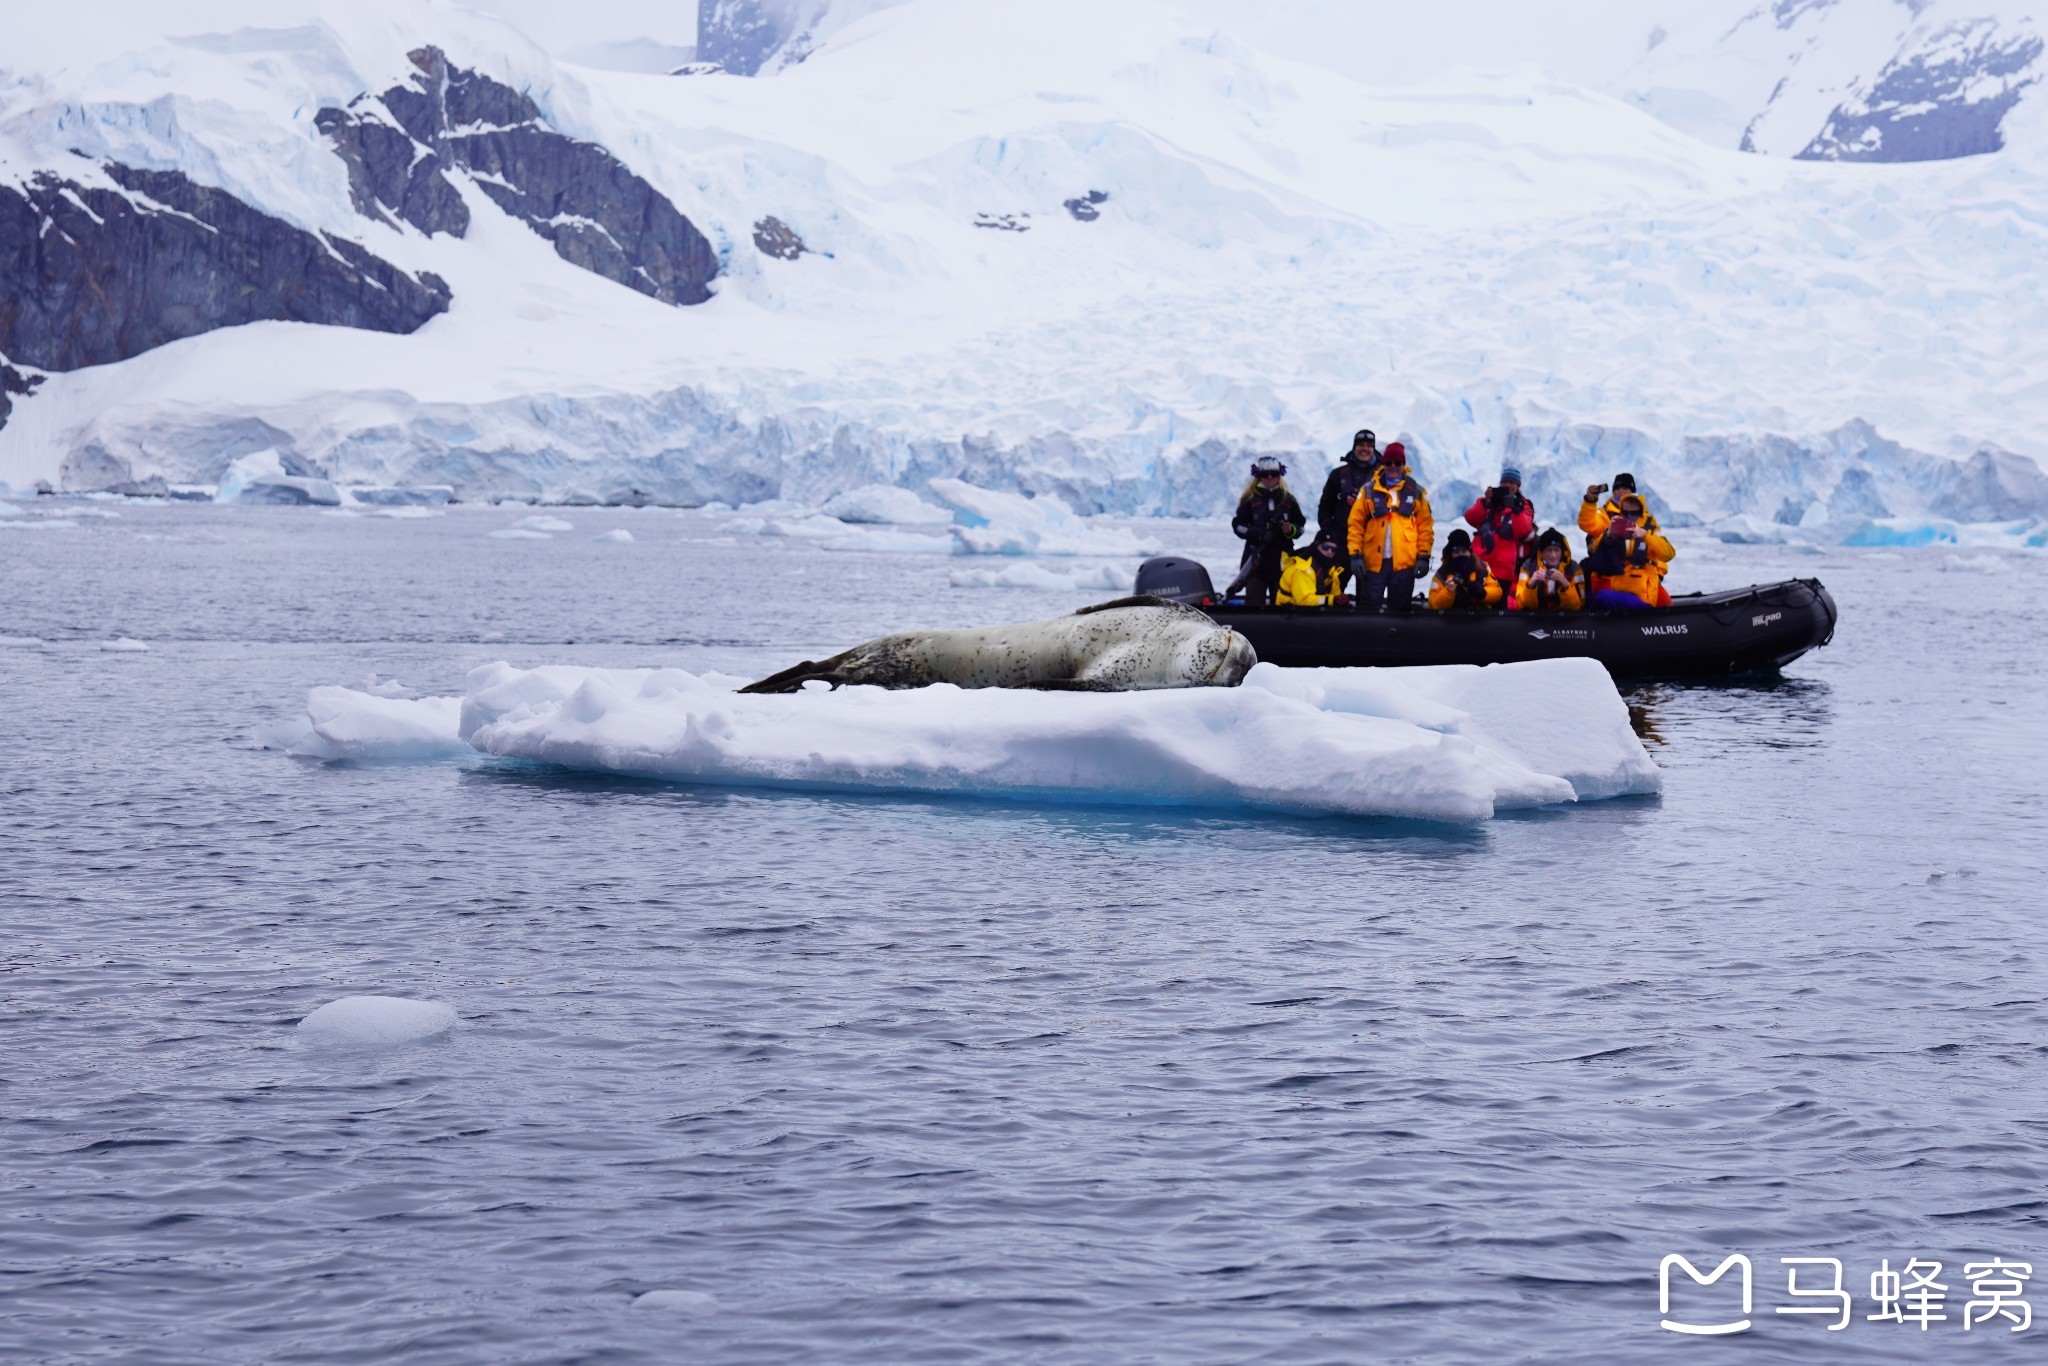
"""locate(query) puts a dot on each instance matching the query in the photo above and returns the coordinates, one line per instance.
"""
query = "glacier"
(1491, 266)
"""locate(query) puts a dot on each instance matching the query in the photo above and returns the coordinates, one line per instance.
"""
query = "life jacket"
(1302, 586)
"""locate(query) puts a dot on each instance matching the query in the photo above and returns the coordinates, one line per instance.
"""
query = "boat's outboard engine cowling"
(1176, 580)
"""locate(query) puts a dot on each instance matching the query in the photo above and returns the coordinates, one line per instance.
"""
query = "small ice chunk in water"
(124, 645)
(22, 642)
(357, 1021)
(519, 533)
(677, 1301)
(616, 536)
(887, 505)
(543, 522)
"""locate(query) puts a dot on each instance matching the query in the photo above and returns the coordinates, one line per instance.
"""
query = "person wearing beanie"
(1503, 521)
(1625, 565)
(1463, 581)
(1313, 577)
(1624, 488)
(1341, 489)
(1551, 582)
(1389, 535)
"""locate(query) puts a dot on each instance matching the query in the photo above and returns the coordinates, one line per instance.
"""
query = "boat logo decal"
(1765, 620)
(1667, 630)
(1564, 633)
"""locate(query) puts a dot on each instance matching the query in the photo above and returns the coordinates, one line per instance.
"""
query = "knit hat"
(1552, 536)
(1364, 434)
(1624, 481)
(1460, 539)
(1394, 454)
(1510, 475)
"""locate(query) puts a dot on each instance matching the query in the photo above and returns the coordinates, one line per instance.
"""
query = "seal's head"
(1218, 659)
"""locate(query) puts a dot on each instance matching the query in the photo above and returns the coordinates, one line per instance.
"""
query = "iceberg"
(1447, 744)
(991, 522)
(376, 1021)
(349, 724)
(887, 505)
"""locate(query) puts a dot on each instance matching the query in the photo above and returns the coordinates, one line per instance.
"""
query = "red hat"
(1394, 454)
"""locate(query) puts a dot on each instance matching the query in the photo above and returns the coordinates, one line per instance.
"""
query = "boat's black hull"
(1701, 635)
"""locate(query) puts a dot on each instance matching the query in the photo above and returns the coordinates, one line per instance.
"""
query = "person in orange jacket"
(1551, 582)
(1391, 534)
(1624, 485)
(1464, 580)
(1626, 563)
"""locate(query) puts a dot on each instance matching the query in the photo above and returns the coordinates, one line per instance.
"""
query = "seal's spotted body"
(1128, 645)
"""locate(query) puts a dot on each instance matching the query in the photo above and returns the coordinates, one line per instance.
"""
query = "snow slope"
(1488, 265)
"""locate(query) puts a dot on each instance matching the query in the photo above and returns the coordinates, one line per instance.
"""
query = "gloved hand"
(1358, 568)
(1422, 566)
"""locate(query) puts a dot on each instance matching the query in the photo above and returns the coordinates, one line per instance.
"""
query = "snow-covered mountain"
(1106, 252)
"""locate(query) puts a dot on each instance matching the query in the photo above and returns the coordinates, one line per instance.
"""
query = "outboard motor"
(1176, 580)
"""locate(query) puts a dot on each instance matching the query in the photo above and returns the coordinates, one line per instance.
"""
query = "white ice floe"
(616, 536)
(887, 505)
(359, 1021)
(677, 1301)
(125, 646)
(350, 724)
(543, 522)
(9, 510)
(1029, 575)
(37, 523)
(519, 533)
(1456, 743)
(21, 642)
(990, 522)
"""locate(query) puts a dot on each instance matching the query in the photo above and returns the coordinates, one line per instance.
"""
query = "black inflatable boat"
(1743, 630)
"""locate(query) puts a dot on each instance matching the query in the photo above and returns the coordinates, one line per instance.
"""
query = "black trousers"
(1389, 590)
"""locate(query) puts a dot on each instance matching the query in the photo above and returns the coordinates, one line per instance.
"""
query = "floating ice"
(677, 1301)
(995, 523)
(616, 536)
(519, 533)
(124, 645)
(1453, 744)
(424, 495)
(21, 642)
(364, 727)
(543, 522)
(37, 523)
(1026, 575)
(9, 510)
(357, 1021)
(1972, 564)
(886, 504)
(872, 542)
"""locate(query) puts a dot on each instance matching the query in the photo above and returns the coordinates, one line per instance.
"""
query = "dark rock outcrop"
(1087, 208)
(12, 381)
(773, 237)
(401, 145)
(1946, 100)
(97, 274)
(744, 36)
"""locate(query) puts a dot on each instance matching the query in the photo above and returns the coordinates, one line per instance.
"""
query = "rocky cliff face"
(743, 36)
(1946, 98)
(99, 272)
(402, 145)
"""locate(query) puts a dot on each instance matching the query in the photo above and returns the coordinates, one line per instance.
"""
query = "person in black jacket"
(1268, 519)
(1341, 489)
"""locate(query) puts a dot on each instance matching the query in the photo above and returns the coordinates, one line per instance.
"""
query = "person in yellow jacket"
(1464, 580)
(1550, 583)
(1625, 566)
(1313, 579)
(1624, 485)
(1391, 535)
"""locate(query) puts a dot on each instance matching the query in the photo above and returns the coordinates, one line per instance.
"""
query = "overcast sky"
(558, 27)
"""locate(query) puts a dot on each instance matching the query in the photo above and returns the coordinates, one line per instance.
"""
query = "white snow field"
(1443, 744)
(376, 1021)
(1488, 264)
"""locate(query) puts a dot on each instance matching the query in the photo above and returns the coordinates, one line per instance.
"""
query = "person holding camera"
(1390, 535)
(1346, 482)
(1503, 521)
(1551, 583)
(1315, 577)
(1464, 580)
(1625, 565)
(1268, 519)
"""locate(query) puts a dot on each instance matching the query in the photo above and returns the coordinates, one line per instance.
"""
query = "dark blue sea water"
(913, 1080)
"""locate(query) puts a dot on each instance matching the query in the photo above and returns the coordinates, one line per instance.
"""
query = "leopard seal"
(1127, 645)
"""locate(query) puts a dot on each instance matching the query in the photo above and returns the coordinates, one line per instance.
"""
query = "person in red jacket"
(1504, 521)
